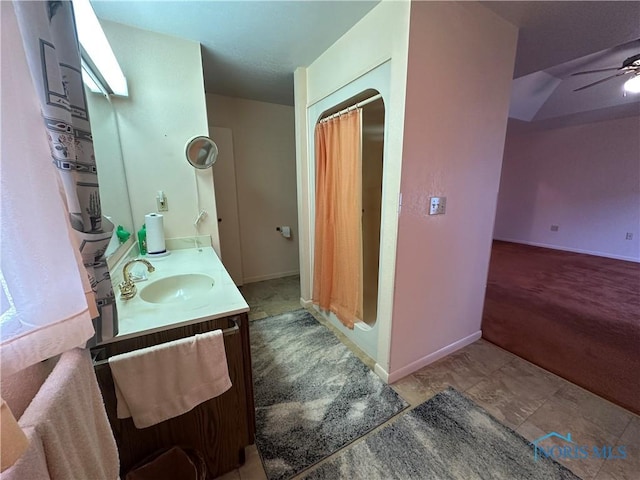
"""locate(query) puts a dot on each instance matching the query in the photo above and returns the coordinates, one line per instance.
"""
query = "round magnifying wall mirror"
(201, 152)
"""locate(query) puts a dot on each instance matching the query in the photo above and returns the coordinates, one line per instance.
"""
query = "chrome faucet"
(127, 287)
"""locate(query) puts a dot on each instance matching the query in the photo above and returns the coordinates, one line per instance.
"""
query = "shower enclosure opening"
(372, 148)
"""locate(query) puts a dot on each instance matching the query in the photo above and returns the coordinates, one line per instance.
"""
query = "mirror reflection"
(114, 193)
(201, 152)
(140, 139)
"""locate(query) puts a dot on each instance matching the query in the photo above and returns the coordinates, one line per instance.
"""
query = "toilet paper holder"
(285, 231)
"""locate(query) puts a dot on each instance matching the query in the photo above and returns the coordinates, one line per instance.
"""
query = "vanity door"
(219, 429)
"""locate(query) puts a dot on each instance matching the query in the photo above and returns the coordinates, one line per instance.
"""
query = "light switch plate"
(437, 205)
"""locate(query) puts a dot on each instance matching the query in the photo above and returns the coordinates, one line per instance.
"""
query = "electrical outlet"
(437, 205)
(629, 236)
(555, 228)
(161, 202)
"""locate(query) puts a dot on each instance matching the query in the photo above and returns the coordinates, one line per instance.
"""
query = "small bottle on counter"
(122, 234)
(142, 239)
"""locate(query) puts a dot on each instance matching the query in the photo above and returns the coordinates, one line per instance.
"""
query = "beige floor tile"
(252, 468)
(293, 280)
(412, 390)
(608, 416)
(486, 356)
(584, 468)
(530, 431)
(259, 293)
(272, 291)
(507, 404)
(629, 467)
(232, 475)
(604, 474)
(456, 370)
(257, 313)
(515, 391)
(555, 416)
(464, 368)
(537, 381)
(287, 289)
(277, 307)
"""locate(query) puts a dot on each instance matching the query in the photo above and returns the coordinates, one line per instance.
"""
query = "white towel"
(32, 465)
(69, 417)
(13, 441)
(157, 383)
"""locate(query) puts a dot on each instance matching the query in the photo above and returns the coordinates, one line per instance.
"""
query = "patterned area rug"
(446, 437)
(313, 396)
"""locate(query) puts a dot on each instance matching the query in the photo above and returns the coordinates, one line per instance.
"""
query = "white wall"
(165, 108)
(380, 36)
(454, 133)
(585, 179)
(264, 152)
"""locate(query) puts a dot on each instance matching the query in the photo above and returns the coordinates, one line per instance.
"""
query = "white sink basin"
(178, 289)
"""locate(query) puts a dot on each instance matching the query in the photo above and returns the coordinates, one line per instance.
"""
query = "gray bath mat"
(312, 395)
(446, 438)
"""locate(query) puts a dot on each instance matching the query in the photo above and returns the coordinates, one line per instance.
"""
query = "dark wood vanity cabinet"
(219, 428)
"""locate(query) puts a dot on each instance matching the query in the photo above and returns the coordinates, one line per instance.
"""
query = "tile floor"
(522, 396)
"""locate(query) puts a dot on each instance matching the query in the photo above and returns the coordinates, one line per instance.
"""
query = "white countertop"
(138, 317)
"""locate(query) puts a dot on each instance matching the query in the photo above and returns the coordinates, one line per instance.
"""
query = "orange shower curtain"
(337, 274)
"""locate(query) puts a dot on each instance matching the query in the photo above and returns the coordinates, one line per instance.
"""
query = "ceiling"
(251, 48)
(557, 39)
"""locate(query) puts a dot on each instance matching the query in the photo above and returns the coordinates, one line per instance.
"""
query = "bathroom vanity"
(168, 307)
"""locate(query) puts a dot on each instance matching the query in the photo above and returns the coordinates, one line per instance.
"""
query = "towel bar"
(97, 352)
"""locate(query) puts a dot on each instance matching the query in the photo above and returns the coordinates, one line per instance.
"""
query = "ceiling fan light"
(633, 84)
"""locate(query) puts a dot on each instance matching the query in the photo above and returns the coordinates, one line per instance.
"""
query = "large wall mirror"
(139, 140)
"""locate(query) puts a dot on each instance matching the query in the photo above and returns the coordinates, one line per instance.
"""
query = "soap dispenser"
(142, 239)
(122, 234)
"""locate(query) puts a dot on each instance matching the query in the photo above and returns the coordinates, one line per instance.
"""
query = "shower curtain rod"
(352, 107)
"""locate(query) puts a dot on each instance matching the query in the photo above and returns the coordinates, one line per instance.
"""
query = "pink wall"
(461, 60)
(585, 179)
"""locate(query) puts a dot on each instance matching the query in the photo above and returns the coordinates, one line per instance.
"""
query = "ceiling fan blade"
(600, 81)
(596, 71)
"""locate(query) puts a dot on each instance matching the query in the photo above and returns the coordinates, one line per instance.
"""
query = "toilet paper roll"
(155, 233)
(286, 232)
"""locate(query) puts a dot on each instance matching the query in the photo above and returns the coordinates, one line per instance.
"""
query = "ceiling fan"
(630, 66)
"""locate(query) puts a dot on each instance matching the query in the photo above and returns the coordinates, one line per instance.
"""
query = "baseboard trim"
(424, 361)
(270, 276)
(306, 303)
(569, 249)
(381, 372)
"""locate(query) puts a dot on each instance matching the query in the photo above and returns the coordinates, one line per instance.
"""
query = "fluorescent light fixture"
(96, 47)
(633, 84)
(90, 80)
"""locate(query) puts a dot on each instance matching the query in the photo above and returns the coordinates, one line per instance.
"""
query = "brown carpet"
(575, 315)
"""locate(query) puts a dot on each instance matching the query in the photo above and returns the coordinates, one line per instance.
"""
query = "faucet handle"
(127, 290)
(127, 287)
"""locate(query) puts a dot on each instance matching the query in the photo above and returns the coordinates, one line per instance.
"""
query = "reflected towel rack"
(98, 352)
